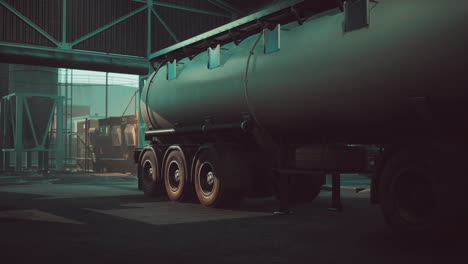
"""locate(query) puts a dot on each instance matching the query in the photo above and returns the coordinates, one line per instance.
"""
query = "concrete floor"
(87, 219)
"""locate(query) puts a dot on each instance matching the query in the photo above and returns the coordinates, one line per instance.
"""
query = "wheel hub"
(174, 175)
(210, 178)
(148, 171)
(177, 176)
(206, 178)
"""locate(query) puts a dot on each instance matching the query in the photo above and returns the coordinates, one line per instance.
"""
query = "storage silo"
(33, 90)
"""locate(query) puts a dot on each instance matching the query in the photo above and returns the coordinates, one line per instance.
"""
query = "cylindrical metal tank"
(34, 80)
(406, 71)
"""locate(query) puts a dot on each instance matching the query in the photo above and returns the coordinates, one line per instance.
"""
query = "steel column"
(107, 95)
(59, 148)
(64, 22)
(336, 192)
(71, 58)
(149, 28)
(2, 119)
(19, 133)
(141, 128)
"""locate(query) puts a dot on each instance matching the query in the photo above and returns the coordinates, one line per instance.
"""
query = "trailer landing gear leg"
(283, 188)
(336, 193)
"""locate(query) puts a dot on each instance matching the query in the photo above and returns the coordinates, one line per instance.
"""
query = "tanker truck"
(277, 99)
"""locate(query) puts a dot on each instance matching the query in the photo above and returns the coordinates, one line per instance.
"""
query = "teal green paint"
(226, 27)
(19, 133)
(149, 28)
(59, 154)
(64, 22)
(28, 114)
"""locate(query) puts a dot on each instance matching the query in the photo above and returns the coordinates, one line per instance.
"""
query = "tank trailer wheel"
(421, 193)
(213, 180)
(175, 176)
(149, 177)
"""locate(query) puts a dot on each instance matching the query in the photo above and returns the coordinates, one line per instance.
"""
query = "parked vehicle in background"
(107, 145)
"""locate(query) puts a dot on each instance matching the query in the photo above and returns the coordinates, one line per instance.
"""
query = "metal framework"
(14, 108)
(234, 31)
(65, 54)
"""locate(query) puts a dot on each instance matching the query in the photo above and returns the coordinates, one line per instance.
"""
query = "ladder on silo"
(66, 90)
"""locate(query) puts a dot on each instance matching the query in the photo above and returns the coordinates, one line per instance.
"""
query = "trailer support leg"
(283, 189)
(336, 192)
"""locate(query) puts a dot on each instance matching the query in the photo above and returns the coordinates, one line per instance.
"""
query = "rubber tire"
(151, 186)
(442, 175)
(225, 193)
(181, 193)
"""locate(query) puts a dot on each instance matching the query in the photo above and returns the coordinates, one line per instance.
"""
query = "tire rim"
(148, 171)
(207, 178)
(416, 199)
(174, 175)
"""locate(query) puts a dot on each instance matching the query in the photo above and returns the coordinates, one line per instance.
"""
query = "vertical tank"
(27, 79)
(32, 79)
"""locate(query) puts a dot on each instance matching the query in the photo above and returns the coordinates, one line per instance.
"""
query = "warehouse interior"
(85, 63)
(229, 131)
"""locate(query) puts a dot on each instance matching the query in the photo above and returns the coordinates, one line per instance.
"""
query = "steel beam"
(227, 27)
(165, 25)
(77, 59)
(31, 124)
(64, 22)
(30, 23)
(19, 133)
(149, 6)
(48, 126)
(113, 23)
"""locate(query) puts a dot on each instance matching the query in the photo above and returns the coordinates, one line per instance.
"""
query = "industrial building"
(228, 131)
